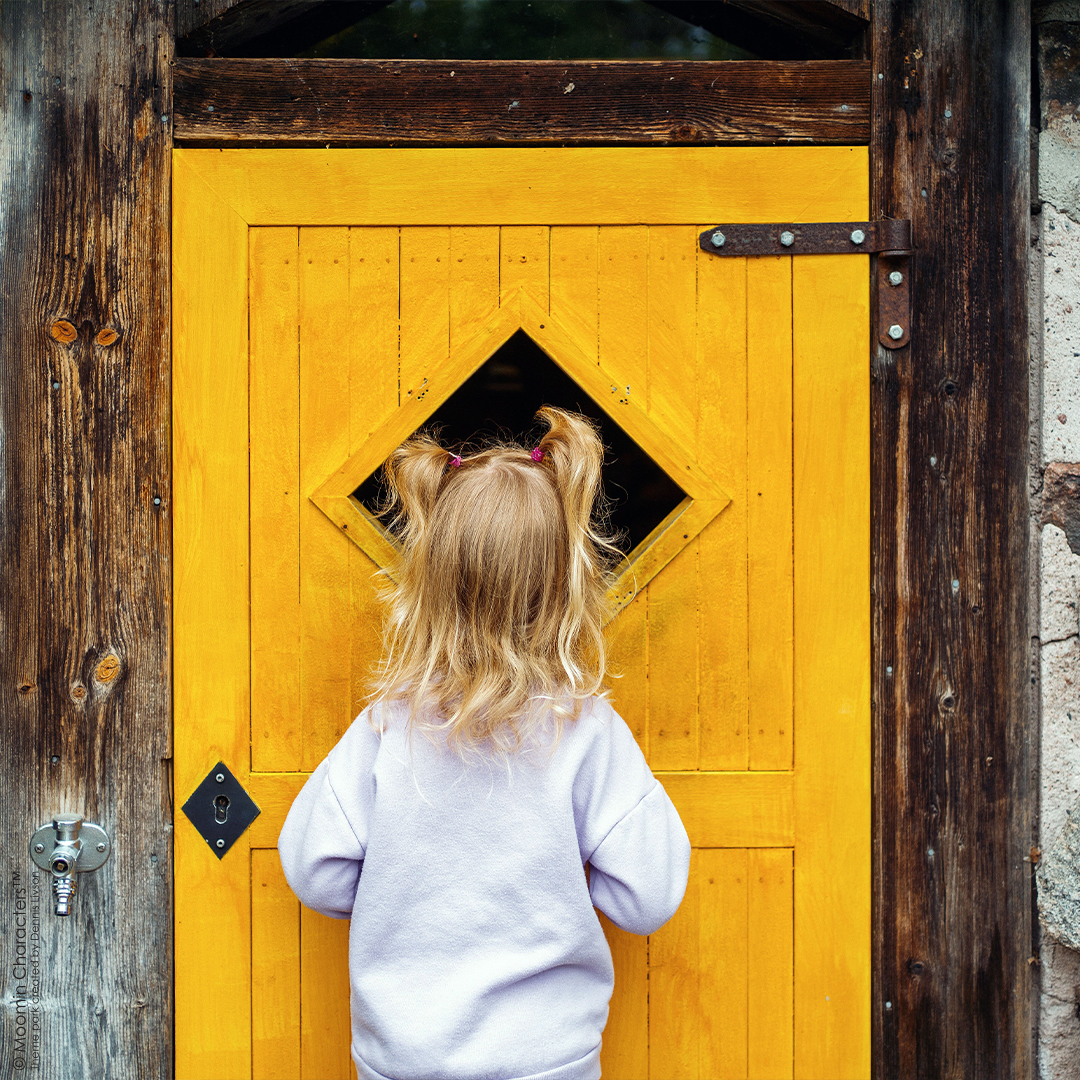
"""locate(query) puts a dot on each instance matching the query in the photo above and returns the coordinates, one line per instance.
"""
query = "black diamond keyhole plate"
(204, 808)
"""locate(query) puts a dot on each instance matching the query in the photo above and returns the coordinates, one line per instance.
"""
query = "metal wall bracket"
(889, 240)
(67, 847)
(220, 809)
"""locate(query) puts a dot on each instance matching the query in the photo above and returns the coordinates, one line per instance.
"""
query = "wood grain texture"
(211, 640)
(674, 1006)
(275, 971)
(236, 102)
(373, 395)
(193, 14)
(770, 995)
(325, 1027)
(768, 512)
(722, 378)
(723, 961)
(605, 185)
(831, 440)
(84, 546)
(325, 679)
(625, 1048)
(953, 789)
(274, 448)
(211, 27)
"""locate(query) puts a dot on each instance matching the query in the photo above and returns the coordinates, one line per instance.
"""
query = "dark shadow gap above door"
(525, 30)
(530, 29)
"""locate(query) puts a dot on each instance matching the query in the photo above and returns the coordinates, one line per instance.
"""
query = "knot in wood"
(63, 331)
(107, 669)
(106, 336)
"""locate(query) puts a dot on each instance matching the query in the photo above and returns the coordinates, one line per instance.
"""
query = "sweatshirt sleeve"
(323, 840)
(630, 831)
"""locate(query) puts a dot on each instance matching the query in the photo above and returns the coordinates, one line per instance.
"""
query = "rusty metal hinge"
(889, 240)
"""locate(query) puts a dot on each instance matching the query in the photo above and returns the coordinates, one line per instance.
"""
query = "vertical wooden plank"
(623, 329)
(624, 1054)
(524, 261)
(274, 419)
(672, 321)
(674, 995)
(832, 687)
(373, 329)
(770, 990)
(721, 365)
(723, 961)
(325, 1025)
(957, 392)
(474, 279)
(622, 312)
(629, 662)
(573, 286)
(768, 510)
(325, 690)
(373, 395)
(85, 531)
(674, 596)
(275, 971)
(210, 620)
(673, 663)
(425, 307)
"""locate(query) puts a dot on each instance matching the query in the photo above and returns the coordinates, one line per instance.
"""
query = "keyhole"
(221, 809)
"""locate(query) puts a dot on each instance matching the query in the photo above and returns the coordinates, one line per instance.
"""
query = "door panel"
(311, 335)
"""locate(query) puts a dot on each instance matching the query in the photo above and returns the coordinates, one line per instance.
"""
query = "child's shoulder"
(364, 735)
(598, 722)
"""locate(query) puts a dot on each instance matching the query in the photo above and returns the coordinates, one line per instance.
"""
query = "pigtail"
(415, 473)
(573, 451)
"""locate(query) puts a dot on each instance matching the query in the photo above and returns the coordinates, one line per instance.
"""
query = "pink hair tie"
(538, 454)
(455, 461)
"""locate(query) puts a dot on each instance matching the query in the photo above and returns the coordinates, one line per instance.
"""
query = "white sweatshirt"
(474, 949)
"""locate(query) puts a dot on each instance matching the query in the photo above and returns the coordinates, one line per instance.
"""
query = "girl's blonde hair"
(497, 606)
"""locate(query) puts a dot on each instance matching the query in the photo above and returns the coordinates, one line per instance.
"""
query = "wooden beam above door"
(220, 102)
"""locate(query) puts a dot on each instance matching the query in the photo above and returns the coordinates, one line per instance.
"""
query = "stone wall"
(1055, 384)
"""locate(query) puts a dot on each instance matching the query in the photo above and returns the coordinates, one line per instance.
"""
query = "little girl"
(453, 820)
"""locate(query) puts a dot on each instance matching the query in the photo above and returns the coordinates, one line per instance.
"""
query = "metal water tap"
(75, 848)
(62, 862)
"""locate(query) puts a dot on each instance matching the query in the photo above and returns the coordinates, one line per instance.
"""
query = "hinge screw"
(220, 778)
(895, 277)
(896, 331)
(101, 847)
(858, 236)
(718, 239)
(787, 238)
(221, 843)
(39, 848)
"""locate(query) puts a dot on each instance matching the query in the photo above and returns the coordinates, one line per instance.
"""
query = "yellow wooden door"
(325, 304)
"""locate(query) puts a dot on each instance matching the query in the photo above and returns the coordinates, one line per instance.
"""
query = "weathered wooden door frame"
(926, 970)
(86, 242)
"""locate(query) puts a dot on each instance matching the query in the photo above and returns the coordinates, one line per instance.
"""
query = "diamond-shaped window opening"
(500, 399)
(663, 495)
